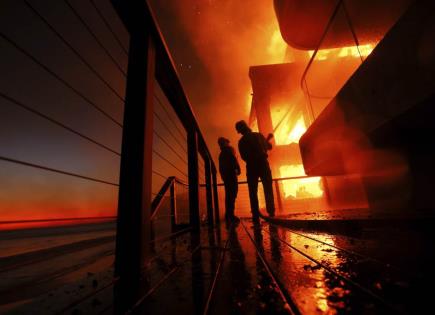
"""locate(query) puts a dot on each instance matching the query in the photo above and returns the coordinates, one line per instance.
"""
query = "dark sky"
(213, 44)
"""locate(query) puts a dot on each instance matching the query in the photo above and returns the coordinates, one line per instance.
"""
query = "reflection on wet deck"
(268, 269)
(247, 268)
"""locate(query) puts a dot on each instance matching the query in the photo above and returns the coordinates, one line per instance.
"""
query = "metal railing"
(176, 217)
(71, 135)
(301, 195)
(287, 199)
(149, 58)
(336, 74)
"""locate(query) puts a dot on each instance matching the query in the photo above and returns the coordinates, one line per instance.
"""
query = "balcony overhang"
(302, 22)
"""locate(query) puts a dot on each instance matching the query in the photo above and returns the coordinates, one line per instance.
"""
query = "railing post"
(134, 203)
(278, 196)
(173, 206)
(192, 153)
(215, 194)
(209, 192)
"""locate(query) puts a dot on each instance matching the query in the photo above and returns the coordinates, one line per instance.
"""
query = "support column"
(134, 203)
(173, 206)
(215, 194)
(278, 196)
(209, 192)
(192, 153)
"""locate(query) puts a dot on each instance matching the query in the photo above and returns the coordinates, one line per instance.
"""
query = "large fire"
(290, 126)
(300, 188)
(351, 51)
(290, 132)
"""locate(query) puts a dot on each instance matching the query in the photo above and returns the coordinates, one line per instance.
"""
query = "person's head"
(242, 127)
(223, 142)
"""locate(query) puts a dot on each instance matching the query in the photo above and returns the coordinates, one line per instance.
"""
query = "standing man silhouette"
(229, 169)
(253, 147)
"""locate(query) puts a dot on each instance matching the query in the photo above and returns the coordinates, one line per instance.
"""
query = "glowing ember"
(351, 51)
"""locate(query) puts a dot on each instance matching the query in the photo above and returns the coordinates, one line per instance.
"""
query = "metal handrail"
(150, 62)
(273, 179)
(179, 181)
(277, 179)
(328, 25)
(158, 199)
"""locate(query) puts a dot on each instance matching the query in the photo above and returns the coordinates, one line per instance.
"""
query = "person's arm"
(238, 170)
(221, 164)
(242, 151)
(266, 144)
(235, 163)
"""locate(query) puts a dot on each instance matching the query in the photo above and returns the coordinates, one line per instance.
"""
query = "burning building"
(324, 125)
(278, 107)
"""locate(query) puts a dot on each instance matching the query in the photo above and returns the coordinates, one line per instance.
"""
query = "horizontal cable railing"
(66, 133)
(58, 123)
(73, 49)
(8, 155)
(58, 77)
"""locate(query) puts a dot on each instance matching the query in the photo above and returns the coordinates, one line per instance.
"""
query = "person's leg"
(231, 198)
(252, 178)
(227, 200)
(266, 179)
(236, 189)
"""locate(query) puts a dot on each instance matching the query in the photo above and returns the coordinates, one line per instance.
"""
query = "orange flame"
(300, 188)
(350, 51)
(290, 132)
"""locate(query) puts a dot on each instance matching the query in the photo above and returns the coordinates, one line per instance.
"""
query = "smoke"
(227, 37)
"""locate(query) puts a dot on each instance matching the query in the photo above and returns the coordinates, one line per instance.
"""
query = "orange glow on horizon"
(46, 223)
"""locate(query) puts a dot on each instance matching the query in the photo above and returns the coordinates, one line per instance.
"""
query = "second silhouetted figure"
(253, 148)
(229, 169)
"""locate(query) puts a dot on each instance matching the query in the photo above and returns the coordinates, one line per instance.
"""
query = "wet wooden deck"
(249, 268)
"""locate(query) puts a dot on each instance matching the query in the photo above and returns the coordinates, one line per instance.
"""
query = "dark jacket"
(228, 164)
(253, 148)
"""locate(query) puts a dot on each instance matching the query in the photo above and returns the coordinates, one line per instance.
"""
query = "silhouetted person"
(229, 169)
(253, 148)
